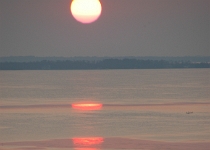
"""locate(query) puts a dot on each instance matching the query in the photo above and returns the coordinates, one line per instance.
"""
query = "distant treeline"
(101, 64)
(94, 58)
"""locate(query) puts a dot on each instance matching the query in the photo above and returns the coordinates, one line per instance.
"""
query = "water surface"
(142, 109)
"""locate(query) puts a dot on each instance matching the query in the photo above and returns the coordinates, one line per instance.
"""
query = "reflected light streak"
(87, 106)
(86, 149)
(89, 141)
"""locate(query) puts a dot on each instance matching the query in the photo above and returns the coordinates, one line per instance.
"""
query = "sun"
(86, 11)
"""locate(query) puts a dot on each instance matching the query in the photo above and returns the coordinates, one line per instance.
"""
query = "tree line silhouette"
(111, 63)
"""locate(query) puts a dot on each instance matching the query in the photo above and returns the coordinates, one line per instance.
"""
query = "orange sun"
(86, 11)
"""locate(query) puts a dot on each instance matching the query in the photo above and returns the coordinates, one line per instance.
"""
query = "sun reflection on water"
(88, 143)
(87, 106)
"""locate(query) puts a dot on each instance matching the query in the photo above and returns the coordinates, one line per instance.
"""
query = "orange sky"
(125, 28)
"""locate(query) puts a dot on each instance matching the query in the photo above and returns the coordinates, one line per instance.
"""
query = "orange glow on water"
(92, 141)
(87, 106)
(86, 149)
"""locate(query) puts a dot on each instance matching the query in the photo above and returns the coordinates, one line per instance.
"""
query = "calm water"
(142, 109)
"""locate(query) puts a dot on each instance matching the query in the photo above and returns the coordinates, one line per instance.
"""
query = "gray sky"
(125, 28)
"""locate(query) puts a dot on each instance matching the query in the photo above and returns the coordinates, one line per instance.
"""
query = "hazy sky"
(125, 28)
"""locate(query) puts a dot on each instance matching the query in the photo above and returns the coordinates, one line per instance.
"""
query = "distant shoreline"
(97, 64)
(95, 58)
